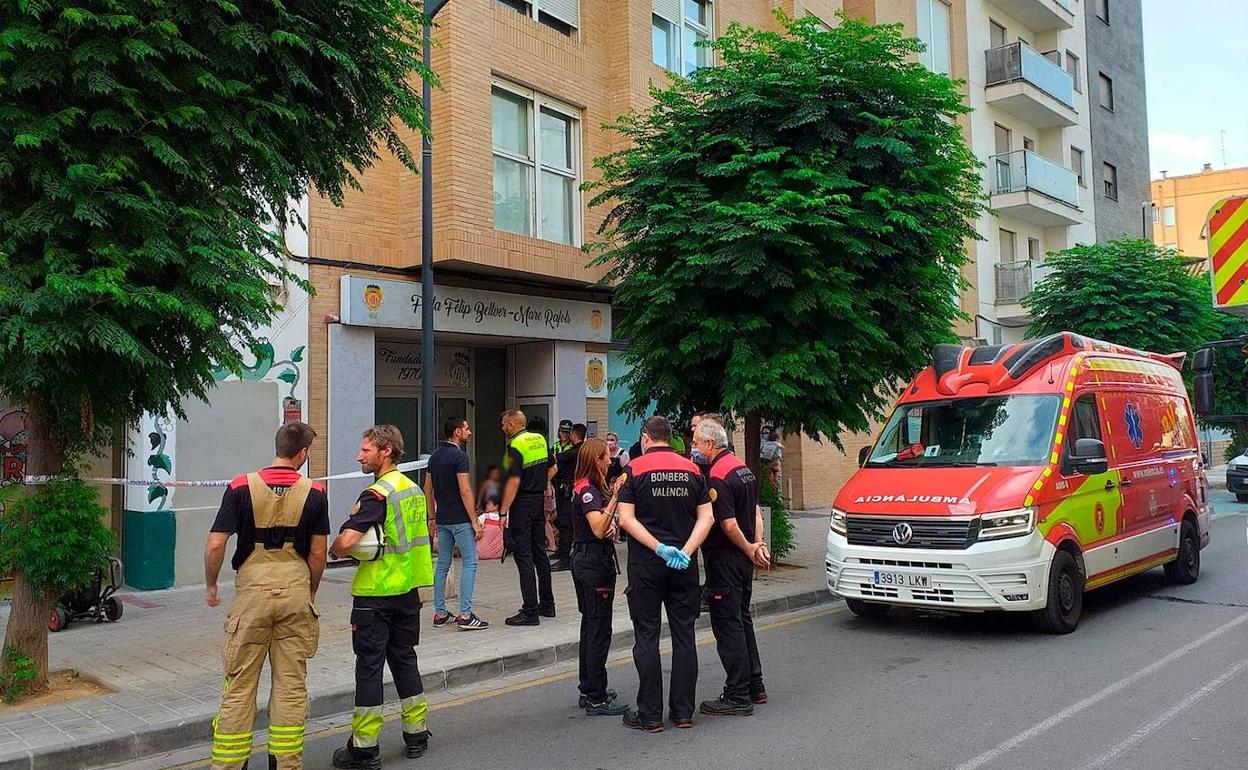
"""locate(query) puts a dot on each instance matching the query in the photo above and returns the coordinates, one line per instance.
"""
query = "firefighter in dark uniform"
(561, 479)
(732, 550)
(526, 470)
(385, 603)
(666, 509)
(593, 573)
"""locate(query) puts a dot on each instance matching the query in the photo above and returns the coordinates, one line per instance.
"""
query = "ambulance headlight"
(1011, 523)
(838, 521)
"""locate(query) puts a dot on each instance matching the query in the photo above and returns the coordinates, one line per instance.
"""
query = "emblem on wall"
(373, 299)
(595, 376)
(595, 320)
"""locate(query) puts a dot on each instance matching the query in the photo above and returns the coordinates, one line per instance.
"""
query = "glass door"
(404, 414)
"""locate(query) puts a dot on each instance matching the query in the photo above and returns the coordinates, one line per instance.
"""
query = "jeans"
(449, 536)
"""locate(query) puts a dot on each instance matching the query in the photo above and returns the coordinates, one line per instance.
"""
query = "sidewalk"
(163, 658)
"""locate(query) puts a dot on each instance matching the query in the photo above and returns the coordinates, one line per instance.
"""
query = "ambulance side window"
(1085, 423)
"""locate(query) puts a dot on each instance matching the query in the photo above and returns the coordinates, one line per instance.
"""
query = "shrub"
(16, 673)
(58, 549)
(782, 539)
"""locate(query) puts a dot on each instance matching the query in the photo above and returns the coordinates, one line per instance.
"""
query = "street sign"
(1228, 254)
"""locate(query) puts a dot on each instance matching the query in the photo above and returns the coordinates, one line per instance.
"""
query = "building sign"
(396, 305)
(595, 375)
(399, 366)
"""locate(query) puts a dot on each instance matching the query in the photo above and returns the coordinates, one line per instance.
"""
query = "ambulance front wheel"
(1185, 569)
(1065, 597)
(869, 610)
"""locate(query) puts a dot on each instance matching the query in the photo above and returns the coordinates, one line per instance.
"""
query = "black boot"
(724, 706)
(417, 744)
(350, 758)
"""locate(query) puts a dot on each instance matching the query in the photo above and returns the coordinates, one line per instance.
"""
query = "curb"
(143, 743)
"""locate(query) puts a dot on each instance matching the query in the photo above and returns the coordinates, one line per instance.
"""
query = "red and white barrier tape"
(410, 466)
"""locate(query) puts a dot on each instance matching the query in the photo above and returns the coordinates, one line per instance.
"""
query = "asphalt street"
(1153, 678)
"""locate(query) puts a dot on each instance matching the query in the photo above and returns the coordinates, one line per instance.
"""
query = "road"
(1153, 678)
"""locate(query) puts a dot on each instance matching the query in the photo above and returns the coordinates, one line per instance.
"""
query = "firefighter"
(385, 605)
(526, 468)
(666, 509)
(732, 550)
(282, 523)
(593, 573)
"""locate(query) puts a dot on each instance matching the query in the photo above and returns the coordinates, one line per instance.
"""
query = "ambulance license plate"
(902, 580)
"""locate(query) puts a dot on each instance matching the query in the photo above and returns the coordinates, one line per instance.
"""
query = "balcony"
(1040, 15)
(1030, 86)
(1014, 280)
(1034, 189)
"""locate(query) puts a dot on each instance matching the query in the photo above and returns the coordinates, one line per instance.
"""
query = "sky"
(1196, 74)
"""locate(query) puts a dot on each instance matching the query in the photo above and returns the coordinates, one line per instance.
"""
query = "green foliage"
(55, 536)
(17, 671)
(783, 538)
(787, 227)
(1129, 292)
(144, 147)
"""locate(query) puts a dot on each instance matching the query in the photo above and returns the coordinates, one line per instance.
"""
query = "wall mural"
(159, 460)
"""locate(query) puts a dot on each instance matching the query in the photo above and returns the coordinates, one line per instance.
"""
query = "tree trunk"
(753, 443)
(27, 630)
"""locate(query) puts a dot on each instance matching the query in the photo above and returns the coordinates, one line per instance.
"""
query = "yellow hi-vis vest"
(407, 562)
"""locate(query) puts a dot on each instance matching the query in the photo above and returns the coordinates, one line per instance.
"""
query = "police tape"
(414, 465)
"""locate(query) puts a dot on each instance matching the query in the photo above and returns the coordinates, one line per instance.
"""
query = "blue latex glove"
(673, 556)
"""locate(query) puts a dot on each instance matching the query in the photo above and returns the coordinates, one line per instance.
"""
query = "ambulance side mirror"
(863, 454)
(1088, 458)
(1202, 386)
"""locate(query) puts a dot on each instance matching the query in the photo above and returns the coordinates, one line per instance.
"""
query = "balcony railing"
(1014, 281)
(1024, 170)
(1020, 62)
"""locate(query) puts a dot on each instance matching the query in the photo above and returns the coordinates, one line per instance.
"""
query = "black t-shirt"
(369, 509)
(586, 498)
(445, 465)
(734, 495)
(237, 517)
(666, 490)
(565, 468)
(533, 479)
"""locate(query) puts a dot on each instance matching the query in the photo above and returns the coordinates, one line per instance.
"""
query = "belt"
(600, 546)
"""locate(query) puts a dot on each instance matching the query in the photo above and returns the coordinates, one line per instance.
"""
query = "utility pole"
(428, 400)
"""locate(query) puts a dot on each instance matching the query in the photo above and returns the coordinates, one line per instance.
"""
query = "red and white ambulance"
(1015, 477)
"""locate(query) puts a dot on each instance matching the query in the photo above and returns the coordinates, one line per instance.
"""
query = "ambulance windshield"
(993, 430)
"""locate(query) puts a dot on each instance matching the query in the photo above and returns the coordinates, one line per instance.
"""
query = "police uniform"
(730, 577)
(665, 490)
(593, 574)
(528, 458)
(565, 465)
(385, 616)
(274, 513)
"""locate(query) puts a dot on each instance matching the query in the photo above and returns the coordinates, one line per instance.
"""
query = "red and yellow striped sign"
(1228, 251)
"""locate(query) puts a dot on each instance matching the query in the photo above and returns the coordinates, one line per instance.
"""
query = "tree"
(786, 228)
(144, 145)
(1130, 292)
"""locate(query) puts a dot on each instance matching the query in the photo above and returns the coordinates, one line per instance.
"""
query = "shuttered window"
(561, 15)
(677, 29)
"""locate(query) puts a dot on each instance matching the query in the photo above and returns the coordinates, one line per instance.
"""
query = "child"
(491, 544)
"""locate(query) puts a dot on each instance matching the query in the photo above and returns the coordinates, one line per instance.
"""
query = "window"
(561, 15)
(1072, 66)
(1169, 216)
(1153, 206)
(1086, 422)
(934, 33)
(996, 34)
(1106, 91)
(1172, 246)
(536, 166)
(1111, 182)
(1006, 241)
(1033, 249)
(1102, 10)
(1076, 164)
(978, 430)
(676, 29)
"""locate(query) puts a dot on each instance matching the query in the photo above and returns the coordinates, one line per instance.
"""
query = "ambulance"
(1017, 477)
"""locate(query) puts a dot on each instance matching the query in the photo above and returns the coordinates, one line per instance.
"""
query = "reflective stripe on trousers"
(365, 726)
(414, 711)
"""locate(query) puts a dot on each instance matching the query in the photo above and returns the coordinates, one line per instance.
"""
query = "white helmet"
(371, 546)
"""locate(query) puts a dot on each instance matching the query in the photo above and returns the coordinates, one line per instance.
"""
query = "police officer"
(732, 550)
(282, 523)
(564, 443)
(526, 470)
(666, 509)
(593, 573)
(385, 605)
(561, 478)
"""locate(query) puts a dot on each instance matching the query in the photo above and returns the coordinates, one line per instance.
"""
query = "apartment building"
(1181, 205)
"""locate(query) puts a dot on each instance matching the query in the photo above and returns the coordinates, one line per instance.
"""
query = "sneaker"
(633, 721)
(722, 706)
(440, 619)
(523, 618)
(416, 744)
(608, 708)
(470, 622)
(546, 612)
(758, 694)
(584, 700)
(350, 758)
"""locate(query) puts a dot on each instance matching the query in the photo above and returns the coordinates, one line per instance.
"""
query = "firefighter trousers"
(729, 591)
(385, 631)
(272, 617)
(593, 575)
(652, 588)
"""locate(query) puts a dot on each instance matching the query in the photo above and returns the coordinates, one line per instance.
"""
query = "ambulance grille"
(939, 534)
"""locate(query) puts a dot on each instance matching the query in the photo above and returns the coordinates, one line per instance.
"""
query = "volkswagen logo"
(902, 533)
